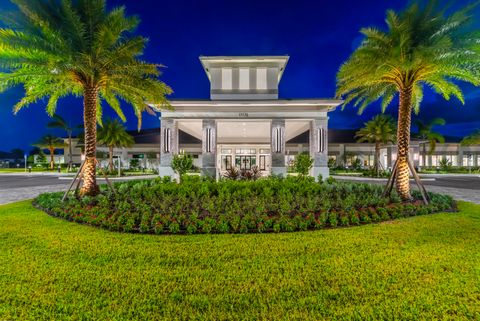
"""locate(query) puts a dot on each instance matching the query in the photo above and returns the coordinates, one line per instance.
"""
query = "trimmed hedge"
(269, 205)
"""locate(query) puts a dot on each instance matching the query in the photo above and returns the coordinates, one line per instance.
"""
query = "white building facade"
(244, 123)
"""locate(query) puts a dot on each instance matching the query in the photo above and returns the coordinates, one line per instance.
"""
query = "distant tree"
(17, 153)
(34, 151)
(60, 123)
(425, 132)
(113, 135)
(50, 142)
(424, 45)
(82, 48)
(381, 130)
(473, 139)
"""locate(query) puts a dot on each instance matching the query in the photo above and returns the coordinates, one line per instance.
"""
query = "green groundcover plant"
(205, 206)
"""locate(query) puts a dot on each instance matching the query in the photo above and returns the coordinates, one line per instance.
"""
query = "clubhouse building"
(245, 124)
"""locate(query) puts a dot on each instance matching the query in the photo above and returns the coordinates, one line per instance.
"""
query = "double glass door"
(245, 162)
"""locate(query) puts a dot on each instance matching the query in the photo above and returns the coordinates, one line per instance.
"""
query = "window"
(244, 74)
(262, 78)
(227, 78)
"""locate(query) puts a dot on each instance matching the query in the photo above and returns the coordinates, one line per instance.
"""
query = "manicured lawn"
(425, 267)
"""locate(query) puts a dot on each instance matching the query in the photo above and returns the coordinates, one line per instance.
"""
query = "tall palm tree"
(60, 48)
(60, 123)
(113, 134)
(422, 45)
(50, 142)
(426, 133)
(380, 131)
(472, 139)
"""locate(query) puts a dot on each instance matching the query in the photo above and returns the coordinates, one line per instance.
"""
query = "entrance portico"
(245, 124)
(245, 134)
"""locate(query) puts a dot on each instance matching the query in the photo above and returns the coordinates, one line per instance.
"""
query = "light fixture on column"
(208, 140)
(321, 140)
(166, 140)
(277, 140)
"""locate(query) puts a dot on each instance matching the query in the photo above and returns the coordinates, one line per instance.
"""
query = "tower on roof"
(244, 77)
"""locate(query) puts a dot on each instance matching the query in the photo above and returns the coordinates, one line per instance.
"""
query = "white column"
(168, 145)
(209, 147)
(277, 135)
(319, 147)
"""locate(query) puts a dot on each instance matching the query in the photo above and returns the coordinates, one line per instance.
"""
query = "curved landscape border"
(199, 206)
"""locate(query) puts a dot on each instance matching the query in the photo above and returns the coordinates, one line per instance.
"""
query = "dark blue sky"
(318, 36)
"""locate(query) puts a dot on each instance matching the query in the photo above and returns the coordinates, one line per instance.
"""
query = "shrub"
(303, 163)
(200, 205)
(182, 163)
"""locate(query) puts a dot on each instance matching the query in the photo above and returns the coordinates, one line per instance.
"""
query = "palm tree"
(60, 123)
(60, 48)
(426, 133)
(380, 131)
(113, 134)
(50, 142)
(423, 45)
(472, 139)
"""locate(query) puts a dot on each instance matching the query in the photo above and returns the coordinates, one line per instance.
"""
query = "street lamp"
(25, 158)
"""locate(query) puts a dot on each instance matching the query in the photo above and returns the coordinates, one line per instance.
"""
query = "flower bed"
(267, 205)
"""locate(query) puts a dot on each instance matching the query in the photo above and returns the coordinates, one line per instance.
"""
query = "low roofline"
(330, 103)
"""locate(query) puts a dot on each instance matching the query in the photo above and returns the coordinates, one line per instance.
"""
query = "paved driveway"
(463, 188)
(21, 187)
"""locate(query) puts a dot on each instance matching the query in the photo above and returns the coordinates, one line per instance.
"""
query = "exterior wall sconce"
(209, 140)
(167, 134)
(321, 140)
(278, 140)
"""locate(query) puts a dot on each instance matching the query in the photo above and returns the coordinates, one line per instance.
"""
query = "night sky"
(318, 36)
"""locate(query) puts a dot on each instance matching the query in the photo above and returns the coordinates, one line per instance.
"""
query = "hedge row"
(203, 206)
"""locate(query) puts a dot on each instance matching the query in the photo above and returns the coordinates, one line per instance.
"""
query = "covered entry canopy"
(266, 122)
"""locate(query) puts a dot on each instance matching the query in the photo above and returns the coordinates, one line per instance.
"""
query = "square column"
(319, 147)
(209, 147)
(168, 146)
(277, 135)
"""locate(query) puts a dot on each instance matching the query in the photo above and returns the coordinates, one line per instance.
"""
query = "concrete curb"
(38, 174)
(449, 175)
(373, 179)
(121, 178)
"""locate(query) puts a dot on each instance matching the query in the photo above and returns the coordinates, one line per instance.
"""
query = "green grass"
(420, 268)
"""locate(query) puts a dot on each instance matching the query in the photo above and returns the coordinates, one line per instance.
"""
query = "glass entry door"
(245, 162)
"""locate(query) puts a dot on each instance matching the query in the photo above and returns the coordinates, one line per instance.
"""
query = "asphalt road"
(472, 183)
(18, 181)
(20, 187)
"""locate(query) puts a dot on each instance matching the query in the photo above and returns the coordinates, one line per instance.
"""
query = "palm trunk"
(403, 144)
(70, 160)
(376, 160)
(90, 186)
(111, 168)
(52, 158)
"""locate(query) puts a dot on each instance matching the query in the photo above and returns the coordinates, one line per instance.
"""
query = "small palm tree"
(379, 131)
(472, 139)
(426, 133)
(61, 48)
(50, 142)
(422, 46)
(113, 135)
(60, 123)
